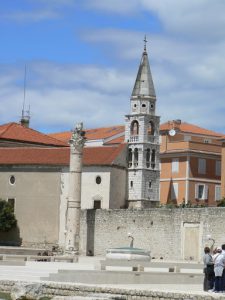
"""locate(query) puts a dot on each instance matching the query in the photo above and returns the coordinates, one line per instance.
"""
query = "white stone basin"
(128, 253)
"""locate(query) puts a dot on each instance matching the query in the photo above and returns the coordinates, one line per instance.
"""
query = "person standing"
(219, 264)
(208, 270)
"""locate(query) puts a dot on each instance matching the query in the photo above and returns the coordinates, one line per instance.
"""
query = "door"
(191, 241)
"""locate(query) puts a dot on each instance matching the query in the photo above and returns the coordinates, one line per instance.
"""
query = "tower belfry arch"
(142, 136)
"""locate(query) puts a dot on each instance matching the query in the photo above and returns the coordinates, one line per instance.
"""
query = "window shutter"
(205, 192)
(201, 166)
(217, 192)
(196, 191)
(175, 165)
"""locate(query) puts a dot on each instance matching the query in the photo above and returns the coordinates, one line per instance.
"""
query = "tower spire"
(144, 84)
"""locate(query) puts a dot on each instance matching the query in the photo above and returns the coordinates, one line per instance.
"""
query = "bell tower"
(142, 136)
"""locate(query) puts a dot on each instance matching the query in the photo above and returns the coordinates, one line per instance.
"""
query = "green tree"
(7, 217)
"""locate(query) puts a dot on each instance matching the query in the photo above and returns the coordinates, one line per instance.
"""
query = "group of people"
(214, 269)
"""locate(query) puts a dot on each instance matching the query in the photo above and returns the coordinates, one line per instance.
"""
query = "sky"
(82, 58)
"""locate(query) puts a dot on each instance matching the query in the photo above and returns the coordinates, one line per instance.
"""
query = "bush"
(221, 203)
(7, 217)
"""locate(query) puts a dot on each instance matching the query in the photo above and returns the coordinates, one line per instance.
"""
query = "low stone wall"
(23, 290)
(179, 233)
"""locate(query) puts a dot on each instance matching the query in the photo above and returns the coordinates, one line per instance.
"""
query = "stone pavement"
(33, 271)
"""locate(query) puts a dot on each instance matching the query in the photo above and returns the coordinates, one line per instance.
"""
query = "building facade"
(190, 164)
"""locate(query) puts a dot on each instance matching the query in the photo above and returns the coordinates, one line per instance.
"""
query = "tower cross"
(145, 42)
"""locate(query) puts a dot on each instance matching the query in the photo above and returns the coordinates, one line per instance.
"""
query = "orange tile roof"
(91, 134)
(17, 132)
(118, 140)
(190, 128)
(57, 156)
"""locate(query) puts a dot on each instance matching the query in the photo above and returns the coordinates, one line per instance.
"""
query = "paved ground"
(33, 271)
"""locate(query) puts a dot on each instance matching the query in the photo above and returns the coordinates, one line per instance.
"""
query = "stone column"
(74, 195)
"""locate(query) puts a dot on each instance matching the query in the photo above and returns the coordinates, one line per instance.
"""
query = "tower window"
(151, 128)
(98, 179)
(134, 128)
(150, 184)
(153, 159)
(130, 158)
(148, 158)
(135, 157)
(131, 184)
(152, 106)
(143, 105)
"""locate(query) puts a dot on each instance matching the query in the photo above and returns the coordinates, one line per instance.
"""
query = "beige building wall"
(118, 188)
(91, 191)
(37, 200)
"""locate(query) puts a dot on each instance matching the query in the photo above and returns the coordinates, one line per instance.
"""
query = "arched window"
(135, 157)
(130, 158)
(134, 130)
(151, 128)
(153, 159)
(148, 158)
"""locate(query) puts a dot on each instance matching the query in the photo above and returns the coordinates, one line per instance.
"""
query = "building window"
(11, 202)
(187, 138)
(130, 158)
(97, 204)
(98, 179)
(175, 165)
(153, 159)
(150, 184)
(143, 105)
(207, 141)
(217, 192)
(151, 128)
(148, 158)
(135, 157)
(131, 184)
(174, 191)
(12, 179)
(201, 191)
(201, 166)
(218, 168)
(134, 129)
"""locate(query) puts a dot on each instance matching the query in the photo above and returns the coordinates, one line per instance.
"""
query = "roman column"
(74, 194)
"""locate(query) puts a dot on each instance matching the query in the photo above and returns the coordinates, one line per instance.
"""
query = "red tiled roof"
(91, 134)
(57, 156)
(190, 128)
(118, 140)
(17, 132)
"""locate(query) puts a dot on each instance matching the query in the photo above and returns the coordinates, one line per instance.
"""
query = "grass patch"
(5, 296)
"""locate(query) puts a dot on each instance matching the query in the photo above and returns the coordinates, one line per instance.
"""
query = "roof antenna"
(25, 119)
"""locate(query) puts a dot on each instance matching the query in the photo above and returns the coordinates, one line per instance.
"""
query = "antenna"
(24, 89)
(25, 118)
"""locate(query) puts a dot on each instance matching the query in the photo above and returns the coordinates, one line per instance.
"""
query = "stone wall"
(168, 233)
(22, 290)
